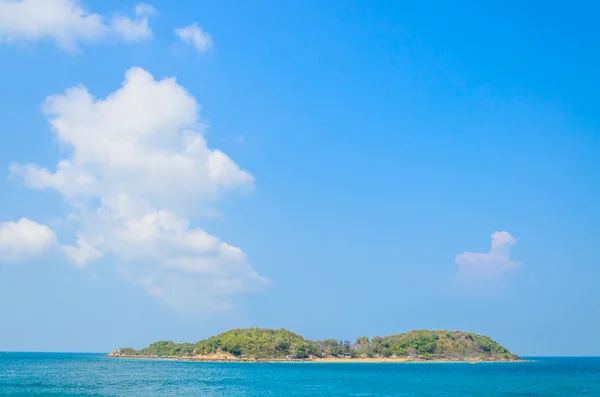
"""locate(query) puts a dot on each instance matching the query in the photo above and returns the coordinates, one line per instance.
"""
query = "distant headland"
(268, 345)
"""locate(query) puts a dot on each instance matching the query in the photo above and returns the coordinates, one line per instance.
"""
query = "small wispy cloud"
(487, 265)
(137, 29)
(195, 36)
(143, 9)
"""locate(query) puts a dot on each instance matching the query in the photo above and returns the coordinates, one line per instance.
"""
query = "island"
(273, 345)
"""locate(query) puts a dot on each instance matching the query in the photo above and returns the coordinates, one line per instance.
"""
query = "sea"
(64, 374)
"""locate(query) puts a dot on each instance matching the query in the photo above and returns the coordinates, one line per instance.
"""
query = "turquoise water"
(48, 374)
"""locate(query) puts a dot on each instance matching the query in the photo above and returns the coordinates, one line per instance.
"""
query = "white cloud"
(82, 252)
(67, 23)
(132, 30)
(137, 171)
(143, 9)
(24, 239)
(140, 142)
(195, 36)
(488, 264)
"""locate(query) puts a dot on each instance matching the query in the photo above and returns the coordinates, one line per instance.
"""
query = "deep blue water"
(59, 374)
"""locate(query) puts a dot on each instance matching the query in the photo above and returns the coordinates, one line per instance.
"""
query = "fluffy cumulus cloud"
(137, 173)
(24, 239)
(68, 23)
(195, 36)
(488, 264)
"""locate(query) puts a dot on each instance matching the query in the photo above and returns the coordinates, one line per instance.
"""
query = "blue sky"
(367, 151)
